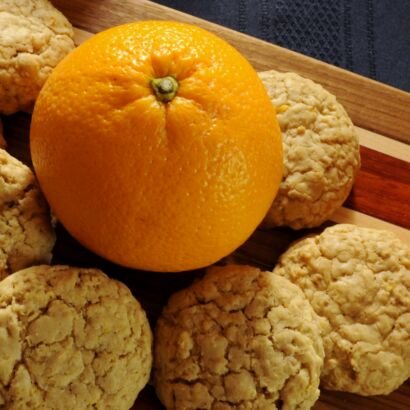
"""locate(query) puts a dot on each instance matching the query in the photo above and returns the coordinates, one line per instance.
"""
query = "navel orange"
(157, 146)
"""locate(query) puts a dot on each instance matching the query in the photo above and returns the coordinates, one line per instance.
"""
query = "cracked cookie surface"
(26, 235)
(71, 338)
(35, 36)
(358, 282)
(239, 339)
(321, 151)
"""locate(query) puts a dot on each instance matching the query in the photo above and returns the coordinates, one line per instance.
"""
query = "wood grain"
(372, 105)
(380, 197)
(388, 146)
(382, 188)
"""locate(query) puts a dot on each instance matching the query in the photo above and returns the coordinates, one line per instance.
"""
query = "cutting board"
(380, 198)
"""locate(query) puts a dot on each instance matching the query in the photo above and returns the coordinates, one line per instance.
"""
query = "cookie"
(358, 282)
(34, 37)
(2, 140)
(239, 338)
(71, 336)
(26, 235)
(321, 151)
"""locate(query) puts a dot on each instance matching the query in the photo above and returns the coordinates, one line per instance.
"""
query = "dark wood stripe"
(332, 400)
(382, 188)
(16, 133)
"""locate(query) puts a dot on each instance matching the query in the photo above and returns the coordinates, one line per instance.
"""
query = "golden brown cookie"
(26, 235)
(71, 338)
(34, 38)
(321, 151)
(239, 338)
(358, 282)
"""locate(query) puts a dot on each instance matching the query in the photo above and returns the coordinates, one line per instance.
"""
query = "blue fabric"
(369, 37)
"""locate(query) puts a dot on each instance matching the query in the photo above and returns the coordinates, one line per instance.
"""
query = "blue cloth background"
(369, 37)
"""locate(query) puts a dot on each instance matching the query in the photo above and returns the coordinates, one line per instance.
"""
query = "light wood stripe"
(81, 35)
(385, 145)
(345, 215)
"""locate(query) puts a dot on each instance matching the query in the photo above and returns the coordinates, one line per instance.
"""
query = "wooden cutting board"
(380, 198)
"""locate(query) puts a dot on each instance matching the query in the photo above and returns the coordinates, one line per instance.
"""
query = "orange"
(157, 146)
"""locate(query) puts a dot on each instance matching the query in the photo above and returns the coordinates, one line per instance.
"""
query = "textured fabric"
(370, 37)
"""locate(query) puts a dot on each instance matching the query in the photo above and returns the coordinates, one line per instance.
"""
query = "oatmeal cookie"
(358, 281)
(26, 235)
(321, 151)
(238, 339)
(34, 37)
(71, 338)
